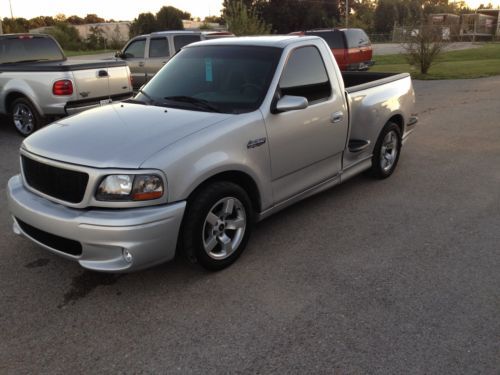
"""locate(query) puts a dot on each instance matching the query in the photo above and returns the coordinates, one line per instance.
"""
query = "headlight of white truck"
(129, 187)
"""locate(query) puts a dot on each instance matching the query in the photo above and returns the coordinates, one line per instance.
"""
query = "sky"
(116, 9)
(124, 10)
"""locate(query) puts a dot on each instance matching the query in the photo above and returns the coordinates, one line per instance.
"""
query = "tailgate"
(102, 82)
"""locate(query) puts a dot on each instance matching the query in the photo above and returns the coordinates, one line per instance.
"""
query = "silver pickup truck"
(38, 83)
(228, 132)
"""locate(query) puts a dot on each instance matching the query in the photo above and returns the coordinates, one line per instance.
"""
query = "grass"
(478, 62)
(81, 53)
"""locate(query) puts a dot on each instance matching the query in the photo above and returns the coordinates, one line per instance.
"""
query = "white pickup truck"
(230, 131)
(38, 83)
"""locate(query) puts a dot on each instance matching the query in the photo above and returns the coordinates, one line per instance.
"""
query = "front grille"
(62, 244)
(56, 182)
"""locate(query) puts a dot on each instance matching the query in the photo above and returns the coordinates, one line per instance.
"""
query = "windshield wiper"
(151, 100)
(134, 101)
(200, 103)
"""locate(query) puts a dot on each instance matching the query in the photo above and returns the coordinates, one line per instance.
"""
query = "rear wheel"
(217, 225)
(386, 153)
(25, 117)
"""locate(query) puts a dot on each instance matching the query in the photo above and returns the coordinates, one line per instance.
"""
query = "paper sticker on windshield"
(208, 70)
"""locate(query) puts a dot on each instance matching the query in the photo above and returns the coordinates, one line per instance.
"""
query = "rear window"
(183, 40)
(333, 38)
(29, 48)
(356, 38)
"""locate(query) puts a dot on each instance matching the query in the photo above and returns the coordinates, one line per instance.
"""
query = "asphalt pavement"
(400, 276)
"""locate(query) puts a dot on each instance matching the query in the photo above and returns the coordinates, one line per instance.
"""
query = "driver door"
(306, 145)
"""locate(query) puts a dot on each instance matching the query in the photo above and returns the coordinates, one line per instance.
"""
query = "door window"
(183, 40)
(158, 47)
(135, 49)
(305, 75)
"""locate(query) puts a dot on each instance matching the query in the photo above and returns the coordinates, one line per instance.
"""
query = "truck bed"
(60, 66)
(356, 81)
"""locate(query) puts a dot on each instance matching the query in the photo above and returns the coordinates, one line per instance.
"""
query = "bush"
(67, 36)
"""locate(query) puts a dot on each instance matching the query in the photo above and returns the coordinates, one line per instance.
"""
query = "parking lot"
(393, 276)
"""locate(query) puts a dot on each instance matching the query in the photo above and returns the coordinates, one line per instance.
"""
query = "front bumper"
(148, 234)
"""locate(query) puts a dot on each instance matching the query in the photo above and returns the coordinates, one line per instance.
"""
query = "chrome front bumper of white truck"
(107, 240)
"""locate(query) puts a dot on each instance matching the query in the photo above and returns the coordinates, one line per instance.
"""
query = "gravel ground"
(380, 277)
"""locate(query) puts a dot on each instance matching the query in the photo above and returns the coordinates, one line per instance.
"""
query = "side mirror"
(119, 55)
(291, 103)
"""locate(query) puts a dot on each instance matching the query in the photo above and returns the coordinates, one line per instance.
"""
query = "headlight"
(124, 187)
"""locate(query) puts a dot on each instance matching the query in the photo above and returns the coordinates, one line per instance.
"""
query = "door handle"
(337, 117)
(141, 64)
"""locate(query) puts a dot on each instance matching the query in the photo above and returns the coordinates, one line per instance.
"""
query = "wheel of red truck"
(25, 117)
(387, 150)
(217, 225)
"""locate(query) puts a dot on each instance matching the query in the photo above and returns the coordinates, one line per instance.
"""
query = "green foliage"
(67, 36)
(286, 16)
(241, 20)
(95, 39)
(424, 47)
(478, 62)
(167, 18)
(170, 18)
(16, 25)
(145, 23)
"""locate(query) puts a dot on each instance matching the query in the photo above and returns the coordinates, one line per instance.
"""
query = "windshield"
(228, 79)
(29, 49)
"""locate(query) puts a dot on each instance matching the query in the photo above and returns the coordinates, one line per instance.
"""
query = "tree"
(424, 45)
(170, 18)
(75, 20)
(362, 15)
(93, 18)
(60, 17)
(243, 21)
(95, 39)
(67, 36)
(145, 23)
(213, 19)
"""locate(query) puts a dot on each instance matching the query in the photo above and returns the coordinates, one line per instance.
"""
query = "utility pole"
(1, 28)
(11, 13)
(346, 14)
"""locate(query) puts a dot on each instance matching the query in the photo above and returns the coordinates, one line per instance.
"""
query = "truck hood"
(121, 135)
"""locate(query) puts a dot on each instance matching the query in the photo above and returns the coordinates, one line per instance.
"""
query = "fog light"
(127, 256)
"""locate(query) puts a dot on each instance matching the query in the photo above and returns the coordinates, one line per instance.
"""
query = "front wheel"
(25, 117)
(217, 225)
(386, 153)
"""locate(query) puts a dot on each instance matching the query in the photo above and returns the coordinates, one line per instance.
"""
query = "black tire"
(198, 233)
(25, 117)
(378, 160)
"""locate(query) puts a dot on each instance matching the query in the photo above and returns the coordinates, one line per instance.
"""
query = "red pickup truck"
(351, 47)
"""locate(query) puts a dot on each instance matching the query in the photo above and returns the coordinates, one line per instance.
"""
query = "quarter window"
(305, 75)
(183, 40)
